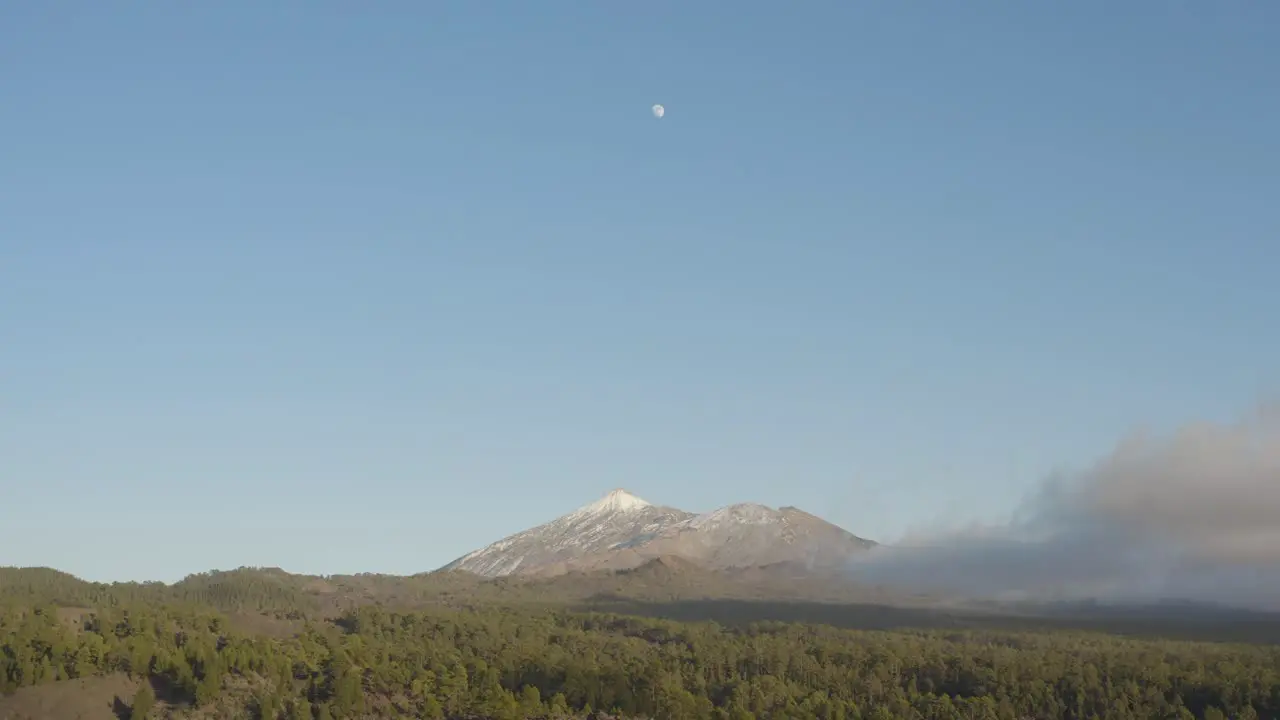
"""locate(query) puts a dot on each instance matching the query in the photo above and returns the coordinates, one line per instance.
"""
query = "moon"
(659, 111)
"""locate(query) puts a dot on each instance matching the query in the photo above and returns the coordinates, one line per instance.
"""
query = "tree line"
(510, 663)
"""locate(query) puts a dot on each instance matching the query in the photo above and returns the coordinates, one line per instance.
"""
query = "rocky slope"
(622, 531)
(613, 521)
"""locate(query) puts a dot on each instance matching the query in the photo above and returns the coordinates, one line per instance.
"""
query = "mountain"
(614, 520)
(621, 531)
(747, 534)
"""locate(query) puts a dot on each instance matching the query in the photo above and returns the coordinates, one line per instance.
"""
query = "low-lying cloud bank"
(1195, 516)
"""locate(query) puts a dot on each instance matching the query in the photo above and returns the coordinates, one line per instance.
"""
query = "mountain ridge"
(621, 530)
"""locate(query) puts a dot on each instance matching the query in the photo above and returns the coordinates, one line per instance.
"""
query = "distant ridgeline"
(246, 588)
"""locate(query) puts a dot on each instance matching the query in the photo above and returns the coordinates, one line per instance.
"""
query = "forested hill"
(665, 587)
(274, 590)
(504, 663)
(261, 643)
(257, 589)
(269, 590)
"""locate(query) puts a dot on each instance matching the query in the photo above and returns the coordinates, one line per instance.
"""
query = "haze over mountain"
(622, 531)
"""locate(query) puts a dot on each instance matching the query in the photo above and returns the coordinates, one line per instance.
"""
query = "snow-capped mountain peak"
(621, 530)
(615, 519)
(617, 500)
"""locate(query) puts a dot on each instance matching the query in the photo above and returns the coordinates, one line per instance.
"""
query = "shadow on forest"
(120, 710)
(163, 689)
(170, 693)
(1157, 621)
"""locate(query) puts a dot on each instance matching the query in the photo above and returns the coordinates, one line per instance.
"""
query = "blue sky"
(347, 287)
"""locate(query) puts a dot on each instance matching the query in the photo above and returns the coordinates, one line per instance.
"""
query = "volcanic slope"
(747, 534)
(622, 531)
(616, 519)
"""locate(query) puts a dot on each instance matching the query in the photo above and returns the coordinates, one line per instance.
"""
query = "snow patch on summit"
(740, 514)
(618, 500)
(613, 520)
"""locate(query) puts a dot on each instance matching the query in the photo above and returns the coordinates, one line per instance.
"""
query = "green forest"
(196, 657)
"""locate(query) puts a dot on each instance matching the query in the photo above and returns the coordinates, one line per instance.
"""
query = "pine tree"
(268, 705)
(208, 688)
(431, 708)
(530, 701)
(143, 701)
